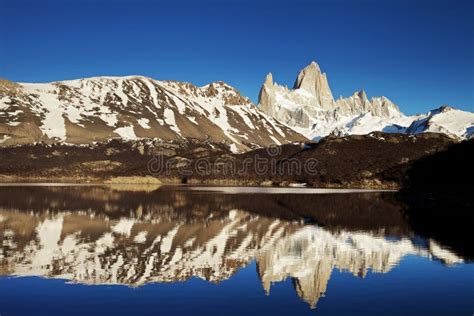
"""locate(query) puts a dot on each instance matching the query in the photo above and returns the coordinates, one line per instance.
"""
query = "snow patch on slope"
(126, 132)
(53, 124)
(144, 122)
(170, 120)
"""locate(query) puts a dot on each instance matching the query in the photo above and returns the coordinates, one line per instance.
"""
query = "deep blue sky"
(418, 53)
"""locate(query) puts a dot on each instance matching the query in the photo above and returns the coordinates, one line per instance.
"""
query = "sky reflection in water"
(119, 250)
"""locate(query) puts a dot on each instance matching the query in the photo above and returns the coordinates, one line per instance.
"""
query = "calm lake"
(150, 250)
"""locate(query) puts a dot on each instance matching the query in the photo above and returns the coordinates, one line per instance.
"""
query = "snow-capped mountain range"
(97, 109)
(135, 107)
(310, 108)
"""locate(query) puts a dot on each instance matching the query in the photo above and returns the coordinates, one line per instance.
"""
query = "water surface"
(147, 250)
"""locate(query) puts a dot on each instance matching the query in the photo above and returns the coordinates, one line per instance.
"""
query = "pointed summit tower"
(315, 82)
(297, 107)
(266, 96)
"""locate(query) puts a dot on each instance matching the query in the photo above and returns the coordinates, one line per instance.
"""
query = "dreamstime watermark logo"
(272, 162)
(274, 150)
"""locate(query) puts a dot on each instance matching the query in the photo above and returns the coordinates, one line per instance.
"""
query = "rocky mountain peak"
(268, 79)
(315, 82)
(445, 119)
(310, 107)
(312, 69)
(444, 109)
(361, 94)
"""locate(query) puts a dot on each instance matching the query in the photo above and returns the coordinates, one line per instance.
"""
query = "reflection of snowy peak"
(310, 109)
(96, 109)
(132, 251)
(148, 247)
(310, 254)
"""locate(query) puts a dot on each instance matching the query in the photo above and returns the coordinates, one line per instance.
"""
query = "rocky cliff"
(309, 108)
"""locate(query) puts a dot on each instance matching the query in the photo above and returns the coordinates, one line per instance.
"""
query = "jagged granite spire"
(269, 79)
(266, 96)
(312, 80)
(297, 107)
(309, 107)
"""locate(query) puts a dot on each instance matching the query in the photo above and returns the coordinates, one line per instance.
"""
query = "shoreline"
(211, 185)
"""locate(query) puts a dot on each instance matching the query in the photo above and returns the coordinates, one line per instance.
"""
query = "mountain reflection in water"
(120, 235)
